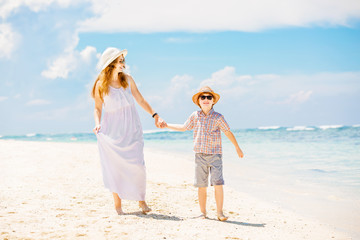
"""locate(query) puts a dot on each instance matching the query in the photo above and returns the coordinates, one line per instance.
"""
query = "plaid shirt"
(207, 135)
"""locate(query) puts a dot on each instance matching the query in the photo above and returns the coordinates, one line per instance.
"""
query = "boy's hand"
(159, 122)
(240, 153)
(163, 124)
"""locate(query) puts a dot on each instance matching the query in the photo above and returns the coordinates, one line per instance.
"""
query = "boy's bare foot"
(203, 216)
(119, 211)
(144, 207)
(221, 217)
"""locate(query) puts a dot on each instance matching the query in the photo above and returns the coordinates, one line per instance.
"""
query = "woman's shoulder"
(129, 78)
(97, 84)
(128, 75)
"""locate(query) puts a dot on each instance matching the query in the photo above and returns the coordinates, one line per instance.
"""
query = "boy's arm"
(232, 138)
(176, 127)
(188, 125)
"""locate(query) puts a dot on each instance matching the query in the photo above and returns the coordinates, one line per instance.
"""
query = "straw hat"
(109, 55)
(202, 90)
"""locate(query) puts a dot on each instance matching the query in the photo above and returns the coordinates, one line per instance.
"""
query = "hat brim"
(110, 60)
(195, 98)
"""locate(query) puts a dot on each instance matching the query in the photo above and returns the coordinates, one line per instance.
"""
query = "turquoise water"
(314, 170)
(326, 154)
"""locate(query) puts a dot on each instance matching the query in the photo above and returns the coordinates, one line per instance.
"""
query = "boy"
(207, 147)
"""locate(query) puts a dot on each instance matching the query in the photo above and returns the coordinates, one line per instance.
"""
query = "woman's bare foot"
(221, 217)
(144, 207)
(117, 202)
(119, 211)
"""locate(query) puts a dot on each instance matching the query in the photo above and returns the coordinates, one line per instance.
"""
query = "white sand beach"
(54, 191)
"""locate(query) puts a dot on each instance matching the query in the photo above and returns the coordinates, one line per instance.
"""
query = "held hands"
(159, 122)
(96, 129)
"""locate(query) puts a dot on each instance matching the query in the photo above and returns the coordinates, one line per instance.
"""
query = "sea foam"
(31, 134)
(269, 128)
(324, 127)
(300, 128)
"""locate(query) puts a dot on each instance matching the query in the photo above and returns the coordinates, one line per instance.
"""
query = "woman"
(119, 135)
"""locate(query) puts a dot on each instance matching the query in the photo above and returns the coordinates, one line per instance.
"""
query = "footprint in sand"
(81, 235)
(62, 209)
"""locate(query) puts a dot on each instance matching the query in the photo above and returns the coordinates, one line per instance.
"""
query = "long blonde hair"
(105, 77)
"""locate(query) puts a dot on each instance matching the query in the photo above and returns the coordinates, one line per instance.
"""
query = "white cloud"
(264, 90)
(227, 81)
(209, 15)
(69, 62)
(299, 97)
(249, 96)
(38, 102)
(281, 89)
(3, 98)
(8, 40)
(178, 90)
(88, 53)
(9, 6)
(60, 67)
(179, 86)
(79, 109)
(179, 83)
(224, 77)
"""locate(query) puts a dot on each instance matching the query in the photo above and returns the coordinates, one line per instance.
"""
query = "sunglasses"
(122, 61)
(209, 97)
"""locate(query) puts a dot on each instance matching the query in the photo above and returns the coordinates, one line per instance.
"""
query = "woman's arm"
(143, 103)
(97, 110)
(232, 138)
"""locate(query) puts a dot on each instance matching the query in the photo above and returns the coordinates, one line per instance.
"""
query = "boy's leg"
(201, 180)
(219, 198)
(202, 199)
(217, 181)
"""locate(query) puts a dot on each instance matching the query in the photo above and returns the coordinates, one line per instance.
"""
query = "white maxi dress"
(120, 142)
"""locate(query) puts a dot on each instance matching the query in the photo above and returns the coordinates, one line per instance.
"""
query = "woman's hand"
(96, 129)
(159, 122)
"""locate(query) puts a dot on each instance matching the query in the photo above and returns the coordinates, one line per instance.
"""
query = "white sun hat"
(109, 55)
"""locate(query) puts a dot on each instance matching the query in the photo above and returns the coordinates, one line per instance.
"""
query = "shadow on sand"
(242, 223)
(174, 218)
(155, 216)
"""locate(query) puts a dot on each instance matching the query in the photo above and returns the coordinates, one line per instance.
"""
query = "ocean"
(314, 170)
(324, 154)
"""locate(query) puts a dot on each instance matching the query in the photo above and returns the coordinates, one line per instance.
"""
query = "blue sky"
(293, 63)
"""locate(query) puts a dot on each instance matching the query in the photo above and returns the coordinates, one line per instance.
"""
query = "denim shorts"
(205, 163)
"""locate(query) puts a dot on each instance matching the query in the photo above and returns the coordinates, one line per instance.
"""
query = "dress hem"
(125, 198)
